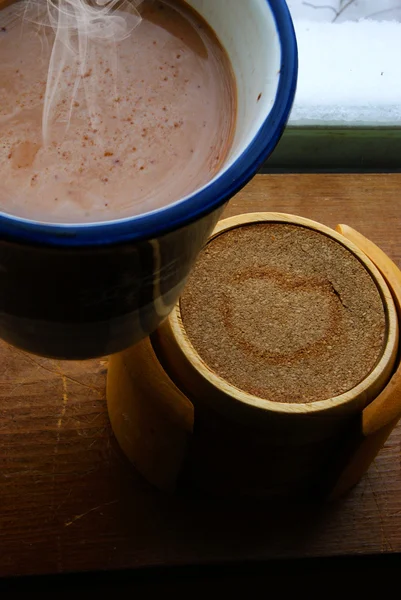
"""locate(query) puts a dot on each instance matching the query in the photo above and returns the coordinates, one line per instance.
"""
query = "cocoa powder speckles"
(284, 313)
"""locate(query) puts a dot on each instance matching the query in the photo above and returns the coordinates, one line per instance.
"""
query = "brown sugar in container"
(284, 332)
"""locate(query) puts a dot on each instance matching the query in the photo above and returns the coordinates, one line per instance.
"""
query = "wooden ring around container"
(233, 430)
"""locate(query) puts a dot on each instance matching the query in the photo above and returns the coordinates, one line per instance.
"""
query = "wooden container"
(175, 416)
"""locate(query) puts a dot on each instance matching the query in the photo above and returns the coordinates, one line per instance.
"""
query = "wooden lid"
(284, 314)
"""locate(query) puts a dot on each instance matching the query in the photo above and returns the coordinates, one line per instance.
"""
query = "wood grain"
(69, 500)
(151, 418)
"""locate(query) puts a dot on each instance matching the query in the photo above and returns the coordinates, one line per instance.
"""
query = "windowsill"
(347, 110)
(337, 148)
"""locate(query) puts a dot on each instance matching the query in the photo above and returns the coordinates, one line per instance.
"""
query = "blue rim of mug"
(159, 222)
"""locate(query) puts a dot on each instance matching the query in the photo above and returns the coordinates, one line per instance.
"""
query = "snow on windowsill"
(349, 70)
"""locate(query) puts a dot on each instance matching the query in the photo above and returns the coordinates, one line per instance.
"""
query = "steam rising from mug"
(80, 27)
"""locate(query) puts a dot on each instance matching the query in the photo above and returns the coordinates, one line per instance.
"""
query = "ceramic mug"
(86, 290)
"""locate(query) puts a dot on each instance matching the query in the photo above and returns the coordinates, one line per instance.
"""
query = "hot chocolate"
(149, 119)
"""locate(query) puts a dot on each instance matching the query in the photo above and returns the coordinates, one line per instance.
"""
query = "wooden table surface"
(69, 501)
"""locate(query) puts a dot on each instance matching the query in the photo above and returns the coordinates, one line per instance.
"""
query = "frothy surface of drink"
(158, 126)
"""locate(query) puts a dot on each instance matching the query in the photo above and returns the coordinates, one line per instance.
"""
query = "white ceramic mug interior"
(248, 32)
